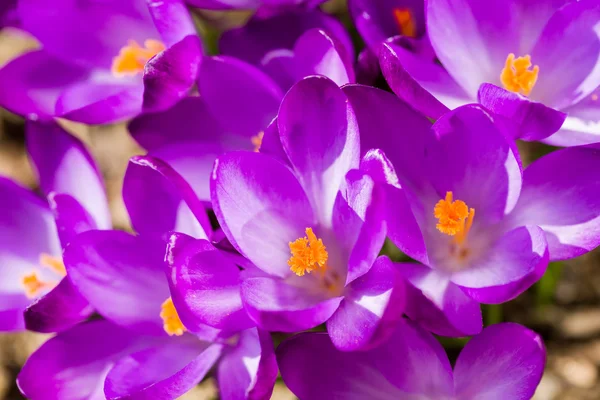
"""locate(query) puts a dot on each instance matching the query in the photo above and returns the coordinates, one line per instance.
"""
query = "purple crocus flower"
(281, 44)
(124, 277)
(33, 238)
(483, 229)
(108, 61)
(532, 62)
(308, 219)
(505, 361)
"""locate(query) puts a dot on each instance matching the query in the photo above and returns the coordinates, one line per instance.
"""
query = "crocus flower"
(107, 62)
(505, 361)
(33, 238)
(306, 217)
(487, 228)
(272, 43)
(532, 62)
(124, 277)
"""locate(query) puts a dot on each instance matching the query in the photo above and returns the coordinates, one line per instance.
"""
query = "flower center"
(257, 140)
(132, 58)
(405, 21)
(33, 285)
(517, 75)
(308, 254)
(171, 322)
(454, 218)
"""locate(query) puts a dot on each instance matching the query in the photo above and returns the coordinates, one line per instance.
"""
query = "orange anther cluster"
(308, 254)
(517, 75)
(454, 217)
(133, 57)
(171, 322)
(405, 21)
(257, 141)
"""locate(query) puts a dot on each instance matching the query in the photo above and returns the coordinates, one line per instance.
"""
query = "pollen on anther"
(451, 215)
(308, 254)
(257, 140)
(171, 322)
(33, 285)
(517, 76)
(132, 58)
(53, 263)
(405, 21)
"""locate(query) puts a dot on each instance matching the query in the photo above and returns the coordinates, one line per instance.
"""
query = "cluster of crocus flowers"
(272, 182)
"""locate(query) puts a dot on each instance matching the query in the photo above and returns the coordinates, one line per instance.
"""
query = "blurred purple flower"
(487, 229)
(307, 217)
(32, 240)
(505, 361)
(108, 61)
(163, 351)
(270, 5)
(534, 63)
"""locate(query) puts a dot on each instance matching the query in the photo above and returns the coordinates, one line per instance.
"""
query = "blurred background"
(564, 307)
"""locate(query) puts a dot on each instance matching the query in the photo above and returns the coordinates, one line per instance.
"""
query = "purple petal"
(313, 369)
(63, 163)
(206, 284)
(472, 158)
(582, 125)
(90, 34)
(172, 20)
(150, 185)
(378, 114)
(162, 372)
(169, 76)
(271, 143)
(531, 120)
(514, 256)
(92, 102)
(316, 53)
(371, 310)
(504, 361)
(62, 308)
(33, 83)
(113, 268)
(405, 86)
(11, 311)
(276, 305)
(27, 232)
(255, 40)
(438, 305)
(71, 218)
(249, 370)
(225, 4)
(73, 364)
(241, 97)
(568, 52)
(376, 22)
(472, 39)
(261, 207)
(319, 134)
(560, 194)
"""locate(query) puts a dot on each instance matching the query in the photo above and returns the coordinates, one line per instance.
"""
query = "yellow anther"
(454, 217)
(308, 254)
(33, 285)
(54, 263)
(517, 76)
(257, 140)
(171, 322)
(132, 58)
(405, 21)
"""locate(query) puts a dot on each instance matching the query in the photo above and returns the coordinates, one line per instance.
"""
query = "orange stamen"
(517, 76)
(405, 21)
(32, 285)
(257, 140)
(54, 263)
(454, 217)
(132, 58)
(308, 254)
(171, 322)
